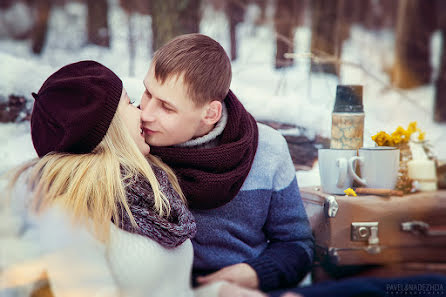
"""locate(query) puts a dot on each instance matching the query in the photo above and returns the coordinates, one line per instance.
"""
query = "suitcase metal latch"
(366, 231)
(421, 228)
(331, 206)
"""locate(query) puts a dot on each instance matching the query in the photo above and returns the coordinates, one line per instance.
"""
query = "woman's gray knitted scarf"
(169, 232)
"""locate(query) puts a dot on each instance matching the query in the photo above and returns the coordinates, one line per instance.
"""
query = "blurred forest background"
(288, 57)
(412, 21)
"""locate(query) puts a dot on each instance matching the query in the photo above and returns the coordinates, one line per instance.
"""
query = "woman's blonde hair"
(92, 186)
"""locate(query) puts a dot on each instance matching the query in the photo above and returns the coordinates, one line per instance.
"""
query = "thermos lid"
(348, 99)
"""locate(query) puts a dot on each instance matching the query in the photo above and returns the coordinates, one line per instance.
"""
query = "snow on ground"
(288, 95)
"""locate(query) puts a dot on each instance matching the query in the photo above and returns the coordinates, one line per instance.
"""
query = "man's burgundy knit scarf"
(211, 177)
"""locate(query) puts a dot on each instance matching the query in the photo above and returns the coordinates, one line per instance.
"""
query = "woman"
(95, 214)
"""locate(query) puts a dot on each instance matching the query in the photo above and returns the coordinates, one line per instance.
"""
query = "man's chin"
(153, 142)
(149, 141)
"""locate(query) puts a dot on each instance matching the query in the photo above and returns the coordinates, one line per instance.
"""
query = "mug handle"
(352, 172)
(341, 163)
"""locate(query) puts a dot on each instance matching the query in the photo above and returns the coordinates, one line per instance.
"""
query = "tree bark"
(38, 36)
(97, 22)
(329, 28)
(342, 30)
(136, 6)
(262, 5)
(389, 10)
(132, 41)
(440, 84)
(287, 17)
(171, 18)
(440, 90)
(415, 23)
(5, 4)
(373, 15)
(234, 12)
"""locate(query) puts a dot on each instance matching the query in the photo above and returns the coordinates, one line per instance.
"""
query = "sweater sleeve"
(75, 261)
(20, 258)
(288, 256)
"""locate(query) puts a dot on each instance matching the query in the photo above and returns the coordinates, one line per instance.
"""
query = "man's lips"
(148, 131)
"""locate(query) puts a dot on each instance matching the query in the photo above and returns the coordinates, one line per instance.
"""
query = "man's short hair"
(202, 61)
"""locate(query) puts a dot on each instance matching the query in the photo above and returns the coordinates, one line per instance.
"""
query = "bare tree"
(235, 11)
(136, 6)
(4, 4)
(132, 41)
(171, 18)
(388, 13)
(415, 23)
(38, 36)
(373, 15)
(440, 84)
(288, 15)
(97, 20)
(329, 28)
(440, 91)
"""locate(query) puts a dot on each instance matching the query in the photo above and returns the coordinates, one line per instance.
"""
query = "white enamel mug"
(333, 169)
(378, 167)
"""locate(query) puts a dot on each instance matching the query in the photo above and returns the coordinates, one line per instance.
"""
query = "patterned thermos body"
(347, 126)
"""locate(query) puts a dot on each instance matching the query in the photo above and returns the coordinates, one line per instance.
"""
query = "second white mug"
(379, 167)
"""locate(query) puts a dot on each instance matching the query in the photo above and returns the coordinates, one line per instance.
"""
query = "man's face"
(169, 116)
(131, 117)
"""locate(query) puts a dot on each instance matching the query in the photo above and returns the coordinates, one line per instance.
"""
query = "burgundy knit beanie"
(74, 108)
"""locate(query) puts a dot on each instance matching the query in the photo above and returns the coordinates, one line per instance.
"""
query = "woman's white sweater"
(77, 264)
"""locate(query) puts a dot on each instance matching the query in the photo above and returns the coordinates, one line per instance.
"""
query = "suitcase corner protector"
(331, 206)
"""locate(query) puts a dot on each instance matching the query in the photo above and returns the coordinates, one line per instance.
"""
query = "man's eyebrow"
(144, 83)
(163, 101)
(169, 104)
(146, 88)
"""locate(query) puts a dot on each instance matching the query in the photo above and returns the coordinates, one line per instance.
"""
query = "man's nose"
(148, 112)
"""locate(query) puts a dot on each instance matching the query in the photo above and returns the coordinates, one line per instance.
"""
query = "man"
(237, 175)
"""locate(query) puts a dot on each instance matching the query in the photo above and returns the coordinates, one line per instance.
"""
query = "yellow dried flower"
(350, 192)
(412, 128)
(399, 136)
(400, 130)
(421, 136)
(381, 138)
(394, 140)
(407, 135)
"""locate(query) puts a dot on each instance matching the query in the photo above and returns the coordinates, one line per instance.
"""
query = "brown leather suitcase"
(325, 272)
(373, 230)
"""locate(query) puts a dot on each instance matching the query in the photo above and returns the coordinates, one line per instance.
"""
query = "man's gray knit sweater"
(265, 225)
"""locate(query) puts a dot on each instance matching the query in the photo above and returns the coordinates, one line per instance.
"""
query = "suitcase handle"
(422, 228)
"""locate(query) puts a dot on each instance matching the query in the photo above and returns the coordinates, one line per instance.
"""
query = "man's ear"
(213, 112)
